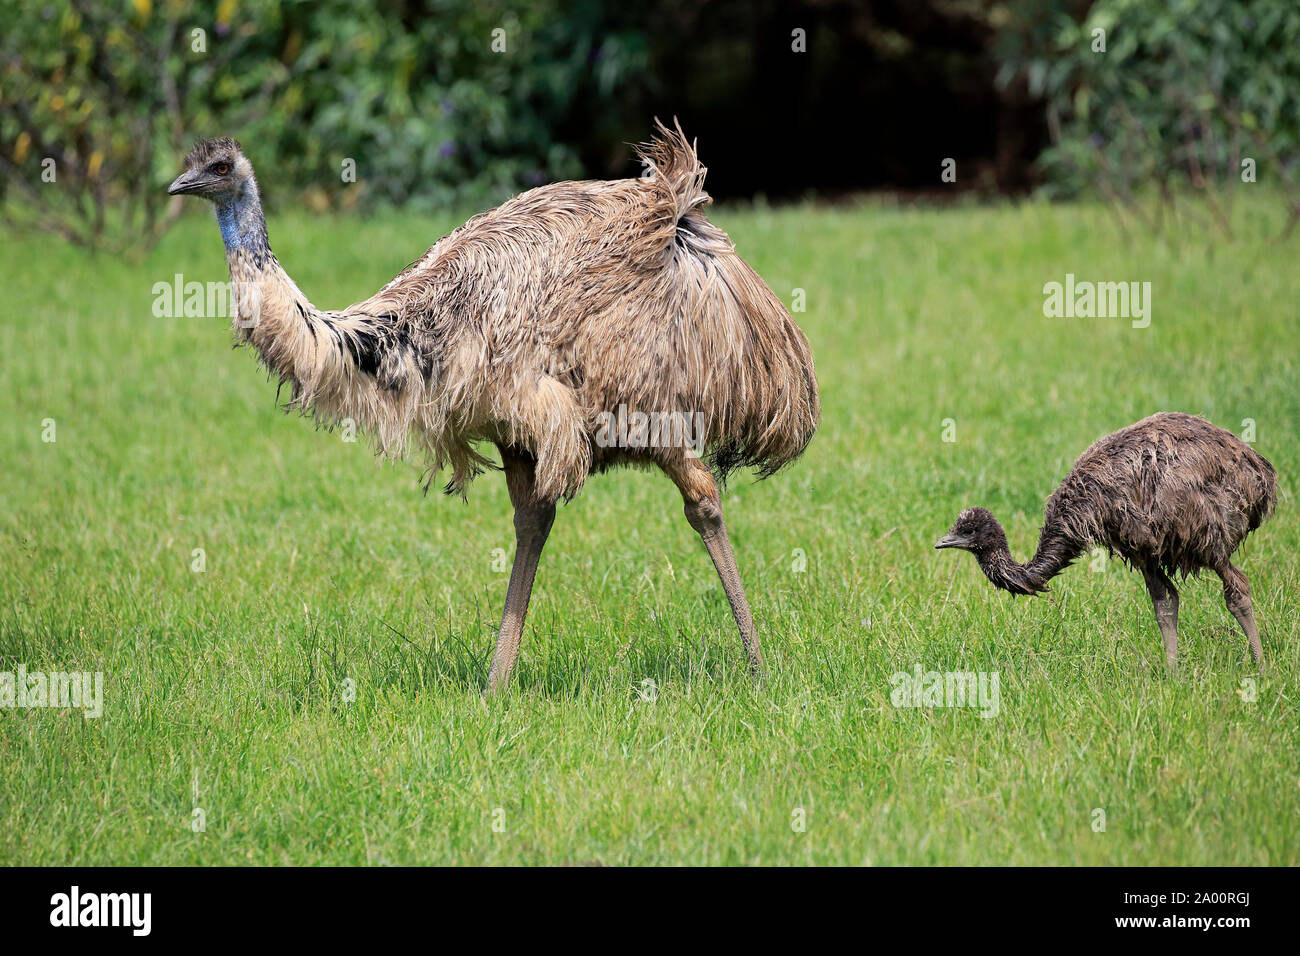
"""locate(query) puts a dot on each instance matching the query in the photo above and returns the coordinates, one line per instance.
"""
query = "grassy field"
(326, 571)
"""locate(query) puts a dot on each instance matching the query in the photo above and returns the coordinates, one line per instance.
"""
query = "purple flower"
(1097, 140)
(447, 150)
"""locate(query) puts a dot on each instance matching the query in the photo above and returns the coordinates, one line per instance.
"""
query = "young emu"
(1170, 493)
(531, 327)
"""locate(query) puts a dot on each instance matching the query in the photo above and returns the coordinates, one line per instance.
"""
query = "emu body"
(1170, 494)
(528, 327)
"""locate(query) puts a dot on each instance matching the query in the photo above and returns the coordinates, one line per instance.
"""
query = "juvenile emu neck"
(1054, 554)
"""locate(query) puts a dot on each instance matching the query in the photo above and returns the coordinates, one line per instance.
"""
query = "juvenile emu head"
(215, 169)
(976, 531)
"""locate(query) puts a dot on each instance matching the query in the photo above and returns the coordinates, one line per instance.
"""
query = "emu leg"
(704, 512)
(1236, 594)
(1164, 598)
(533, 521)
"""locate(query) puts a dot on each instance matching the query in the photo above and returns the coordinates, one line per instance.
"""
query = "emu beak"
(950, 540)
(184, 183)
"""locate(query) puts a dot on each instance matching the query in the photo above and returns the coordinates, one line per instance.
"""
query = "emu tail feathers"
(676, 167)
(678, 194)
(755, 379)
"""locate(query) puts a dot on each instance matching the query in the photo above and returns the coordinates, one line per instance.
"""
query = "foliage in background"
(1184, 93)
(414, 94)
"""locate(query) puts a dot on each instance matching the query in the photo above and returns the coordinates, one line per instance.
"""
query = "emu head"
(214, 169)
(976, 531)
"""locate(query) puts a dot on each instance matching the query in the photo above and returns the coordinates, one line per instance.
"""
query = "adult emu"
(1172, 493)
(532, 327)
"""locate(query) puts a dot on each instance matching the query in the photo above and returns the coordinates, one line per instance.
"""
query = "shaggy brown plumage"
(529, 327)
(1170, 494)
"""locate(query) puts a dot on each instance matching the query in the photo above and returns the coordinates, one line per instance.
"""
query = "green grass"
(224, 689)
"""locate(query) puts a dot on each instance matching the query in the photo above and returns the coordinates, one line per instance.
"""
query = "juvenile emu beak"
(184, 183)
(950, 541)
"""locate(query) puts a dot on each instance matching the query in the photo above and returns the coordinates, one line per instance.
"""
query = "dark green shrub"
(428, 103)
(1199, 94)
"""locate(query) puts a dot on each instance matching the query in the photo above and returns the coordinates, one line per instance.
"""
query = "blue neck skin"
(243, 227)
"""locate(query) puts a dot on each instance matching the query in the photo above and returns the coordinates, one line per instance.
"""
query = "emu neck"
(1054, 554)
(243, 226)
(340, 365)
(271, 313)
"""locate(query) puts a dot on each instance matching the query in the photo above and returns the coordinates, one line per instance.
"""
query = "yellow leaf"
(21, 147)
(96, 160)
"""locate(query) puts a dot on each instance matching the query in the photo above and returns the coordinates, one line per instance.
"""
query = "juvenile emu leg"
(1164, 598)
(1236, 594)
(532, 525)
(704, 512)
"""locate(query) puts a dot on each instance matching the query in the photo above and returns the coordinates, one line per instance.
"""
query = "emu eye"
(222, 168)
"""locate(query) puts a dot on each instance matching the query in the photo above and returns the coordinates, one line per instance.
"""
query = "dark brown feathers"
(1172, 491)
(1172, 488)
(206, 150)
